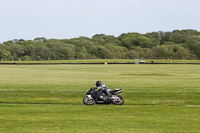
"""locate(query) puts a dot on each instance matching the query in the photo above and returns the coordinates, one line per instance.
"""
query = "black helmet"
(98, 83)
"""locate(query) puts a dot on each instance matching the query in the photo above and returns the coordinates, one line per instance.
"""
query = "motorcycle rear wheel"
(120, 102)
(88, 101)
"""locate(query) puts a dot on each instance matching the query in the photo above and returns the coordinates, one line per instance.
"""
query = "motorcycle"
(99, 97)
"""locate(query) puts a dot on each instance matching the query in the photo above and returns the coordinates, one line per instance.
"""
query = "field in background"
(48, 98)
(102, 61)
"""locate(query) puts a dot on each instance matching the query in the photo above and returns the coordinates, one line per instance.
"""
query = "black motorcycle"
(99, 97)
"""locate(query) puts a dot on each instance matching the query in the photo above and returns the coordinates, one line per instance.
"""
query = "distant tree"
(26, 58)
(190, 32)
(81, 53)
(15, 40)
(101, 52)
(16, 51)
(30, 50)
(169, 43)
(154, 38)
(116, 52)
(179, 44)
(42, 52)
(21, 40)
(5, 55)
(165, 36)
(177, 37)
(162, 52)
(180, 52)
(40, 39)
(8, 42)
(140, 51)
(195, 49)
(99, 39)
(150, 54)
(144, 42)
(65, 52)
(129, 39)
(135, 39)
(132, 54)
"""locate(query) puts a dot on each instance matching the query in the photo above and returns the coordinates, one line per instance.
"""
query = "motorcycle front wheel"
(118, 102)
(88, 101)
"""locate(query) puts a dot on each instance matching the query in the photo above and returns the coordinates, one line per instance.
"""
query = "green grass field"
(48, 98)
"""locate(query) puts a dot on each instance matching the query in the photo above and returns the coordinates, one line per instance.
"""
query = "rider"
(102, 86)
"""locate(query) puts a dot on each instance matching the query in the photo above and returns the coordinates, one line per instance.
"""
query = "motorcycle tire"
(87, 101)
(118, 102)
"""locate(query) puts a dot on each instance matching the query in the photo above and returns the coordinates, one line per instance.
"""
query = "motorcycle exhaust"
(118, 92)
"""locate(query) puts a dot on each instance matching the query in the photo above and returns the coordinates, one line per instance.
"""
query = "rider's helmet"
(98, 83)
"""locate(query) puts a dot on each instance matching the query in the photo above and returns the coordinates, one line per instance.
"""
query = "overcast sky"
(65, 19)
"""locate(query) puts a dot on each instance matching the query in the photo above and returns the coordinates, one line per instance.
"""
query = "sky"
(65, 19)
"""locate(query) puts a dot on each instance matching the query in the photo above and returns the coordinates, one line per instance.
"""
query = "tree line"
(178, 44)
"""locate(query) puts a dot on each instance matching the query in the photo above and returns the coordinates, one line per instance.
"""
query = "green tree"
(154, 38)
(116, 52)
(135, 39)
(165, 36)
(128, 40)
(163, 51)
(101, 52)
(144, 42)
(16, 51)
(5, 55)
(180, 44)
(65, 51)
(181, 52)
(81, 53)
(99, 39)
(131, 54)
